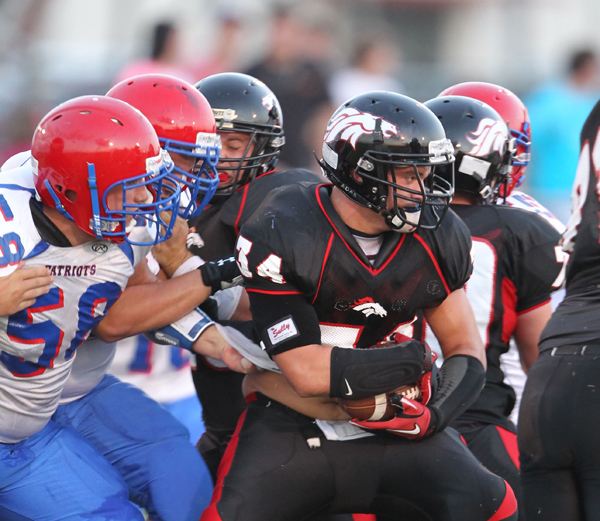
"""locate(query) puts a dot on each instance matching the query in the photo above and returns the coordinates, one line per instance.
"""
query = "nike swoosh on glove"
(413, 420)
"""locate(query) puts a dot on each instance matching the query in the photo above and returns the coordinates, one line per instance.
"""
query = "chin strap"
(397, 224)
(57, 204)
(95, 223)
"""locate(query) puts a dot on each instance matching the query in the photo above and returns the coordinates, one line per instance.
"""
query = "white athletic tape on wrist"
(184, 332)
(190, 264)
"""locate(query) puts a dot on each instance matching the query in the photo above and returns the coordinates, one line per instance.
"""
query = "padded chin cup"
(360, 373)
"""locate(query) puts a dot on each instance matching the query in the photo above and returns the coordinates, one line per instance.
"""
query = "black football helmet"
(241, 103)
(374, 134)
(482, 145)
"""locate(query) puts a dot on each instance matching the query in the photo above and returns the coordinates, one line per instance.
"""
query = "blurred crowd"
(312, 70)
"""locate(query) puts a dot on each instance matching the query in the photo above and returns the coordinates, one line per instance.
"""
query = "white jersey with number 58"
(37, 345)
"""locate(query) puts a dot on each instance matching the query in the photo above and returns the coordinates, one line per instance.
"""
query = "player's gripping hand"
(412, 421)
(20, 289)
(221, 274)
(170, 254)
(429, 381)
(212, 345)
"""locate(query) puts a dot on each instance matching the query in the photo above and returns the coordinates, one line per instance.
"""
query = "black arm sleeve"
(283, 322)
(462, 378)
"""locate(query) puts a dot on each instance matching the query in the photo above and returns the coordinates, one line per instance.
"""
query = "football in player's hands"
(380, 407)
(412, 420)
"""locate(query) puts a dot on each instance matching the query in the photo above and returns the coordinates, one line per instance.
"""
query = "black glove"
(221, 274)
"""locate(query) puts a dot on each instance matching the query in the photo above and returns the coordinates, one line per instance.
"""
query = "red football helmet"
(512, 110)
(88, 146)
(185, 125)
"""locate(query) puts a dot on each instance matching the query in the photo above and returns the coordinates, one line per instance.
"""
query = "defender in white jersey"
(148, 446)
(96, 166)
(151, 450)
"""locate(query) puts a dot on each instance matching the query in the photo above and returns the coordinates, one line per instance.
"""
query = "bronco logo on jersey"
(490, 136)
(352, 124)
(369, 307)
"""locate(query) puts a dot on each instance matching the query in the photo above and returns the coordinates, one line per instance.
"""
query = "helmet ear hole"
(357, 178)
(71, 195)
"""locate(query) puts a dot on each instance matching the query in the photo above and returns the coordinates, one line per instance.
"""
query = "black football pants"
(497, 449)
(270, 473)
(559, 437)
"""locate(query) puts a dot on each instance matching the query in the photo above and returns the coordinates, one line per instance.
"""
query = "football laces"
(412, 393)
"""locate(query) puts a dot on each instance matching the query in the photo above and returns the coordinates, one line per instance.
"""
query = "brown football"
(378, 407)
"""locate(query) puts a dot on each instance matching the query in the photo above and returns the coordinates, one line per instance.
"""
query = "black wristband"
(461, 379)
(220, 274)
(360, 373)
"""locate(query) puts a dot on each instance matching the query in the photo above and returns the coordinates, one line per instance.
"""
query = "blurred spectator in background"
(225, 55)
(374, 66)
(297, 81)
(164, 55)
(557, 110)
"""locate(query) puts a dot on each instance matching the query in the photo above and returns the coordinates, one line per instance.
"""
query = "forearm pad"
(461, 379)
(360, 373)
(184, 332)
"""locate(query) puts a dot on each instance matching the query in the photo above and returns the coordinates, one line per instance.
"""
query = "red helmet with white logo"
(185, 125)
(374, 135)
(511, 110)
(93, 145)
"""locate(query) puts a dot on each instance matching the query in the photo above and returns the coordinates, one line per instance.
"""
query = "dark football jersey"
(517, 264)
(309, 281)
(575, 321)
(220, 391)
(219, 225)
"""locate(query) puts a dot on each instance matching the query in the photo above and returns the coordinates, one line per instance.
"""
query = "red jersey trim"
(437, 267)
(241, 210)
(368, 267)
(251, 398)
(243, 203)
(325, 257)
(533, 307)
(211, 513)
(268, 292)
(509, 306)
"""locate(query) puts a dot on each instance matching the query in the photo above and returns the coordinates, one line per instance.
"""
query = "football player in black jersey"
(250, 124)
(331, 272)
(514, 271)
(558, 440)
